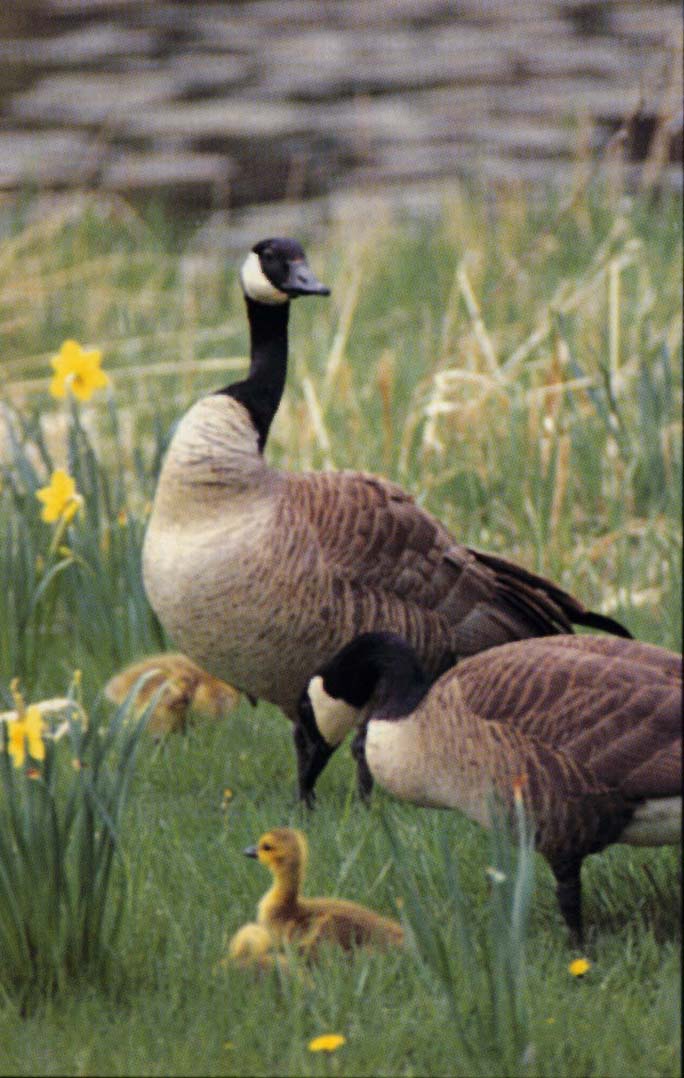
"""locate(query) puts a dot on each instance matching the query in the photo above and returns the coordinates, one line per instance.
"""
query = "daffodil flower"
(27, 728)
(61, 500)
(77, 371)
(328, 1042)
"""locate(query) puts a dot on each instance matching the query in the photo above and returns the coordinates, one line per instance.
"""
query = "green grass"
(518, 367)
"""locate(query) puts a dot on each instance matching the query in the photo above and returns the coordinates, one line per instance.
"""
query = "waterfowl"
(589, 727)
(261, 575)
(307, 922)
(186, 687)
(252, 946)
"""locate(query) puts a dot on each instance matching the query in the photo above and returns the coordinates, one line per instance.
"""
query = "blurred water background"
(219, 107)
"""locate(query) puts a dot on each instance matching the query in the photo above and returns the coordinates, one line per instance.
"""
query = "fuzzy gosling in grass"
(592, 725)
(186, 687)
(261, 575)
(308, 922)
(252, 947)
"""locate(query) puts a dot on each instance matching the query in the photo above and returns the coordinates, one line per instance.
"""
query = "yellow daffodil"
(28, 727)
(579, 967)
(78, 371)
(328, 1042)
(61, 500)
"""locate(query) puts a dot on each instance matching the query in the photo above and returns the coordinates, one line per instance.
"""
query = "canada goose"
(591, 727)
(186, 687)
(262, 575)
(309, 921)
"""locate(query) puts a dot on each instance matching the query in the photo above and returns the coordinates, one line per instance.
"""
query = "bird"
(587, 728)
(307, 922)
(253, 946)
(261, 575)
(186, 687)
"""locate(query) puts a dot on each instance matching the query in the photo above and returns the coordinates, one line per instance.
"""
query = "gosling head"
(276, 271)
(375, 673)
(282, 849)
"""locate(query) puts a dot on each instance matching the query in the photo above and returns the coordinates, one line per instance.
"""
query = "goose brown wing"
(614, 709)
(372, 534)
(576, 811)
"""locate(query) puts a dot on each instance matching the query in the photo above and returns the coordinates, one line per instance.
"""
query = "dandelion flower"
(579, 967)
(61, 500)
(28, 727)
(328, 1042)
(78, 371)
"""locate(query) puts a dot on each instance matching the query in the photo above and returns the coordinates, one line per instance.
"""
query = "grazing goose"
(591, 726)
(261, 575)
(309, 921)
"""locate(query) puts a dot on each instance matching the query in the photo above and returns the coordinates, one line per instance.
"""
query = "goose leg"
(364, 779)
(312, 756)
(569, 894)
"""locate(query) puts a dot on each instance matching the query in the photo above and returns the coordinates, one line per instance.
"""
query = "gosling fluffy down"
(186, 688)
(307, 922)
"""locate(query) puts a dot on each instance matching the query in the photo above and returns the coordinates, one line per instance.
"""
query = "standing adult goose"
(260, 576)
(589, 728)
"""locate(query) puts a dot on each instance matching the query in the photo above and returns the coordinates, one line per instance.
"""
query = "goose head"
(282, 850)
(276, 271)
(376, 675)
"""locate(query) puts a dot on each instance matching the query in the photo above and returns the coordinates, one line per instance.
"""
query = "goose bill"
(301, 281)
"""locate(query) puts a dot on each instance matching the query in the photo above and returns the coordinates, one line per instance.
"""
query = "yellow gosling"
(309, 921)
(187, 687)
(252, 946)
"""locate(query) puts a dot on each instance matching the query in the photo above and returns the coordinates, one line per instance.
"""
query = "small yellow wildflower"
(328, 1042)
(579, 967)
(28, 727)
(78, 371)
(61, 500)
(227, 797)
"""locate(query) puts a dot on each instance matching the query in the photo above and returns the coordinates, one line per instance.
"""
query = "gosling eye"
(266, 846)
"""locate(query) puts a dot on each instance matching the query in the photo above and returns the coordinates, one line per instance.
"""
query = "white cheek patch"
(334, 718)
(256, 284)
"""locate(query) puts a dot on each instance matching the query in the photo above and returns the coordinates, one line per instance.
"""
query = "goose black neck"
(381, 668)
(400, 687)
(261, 391)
